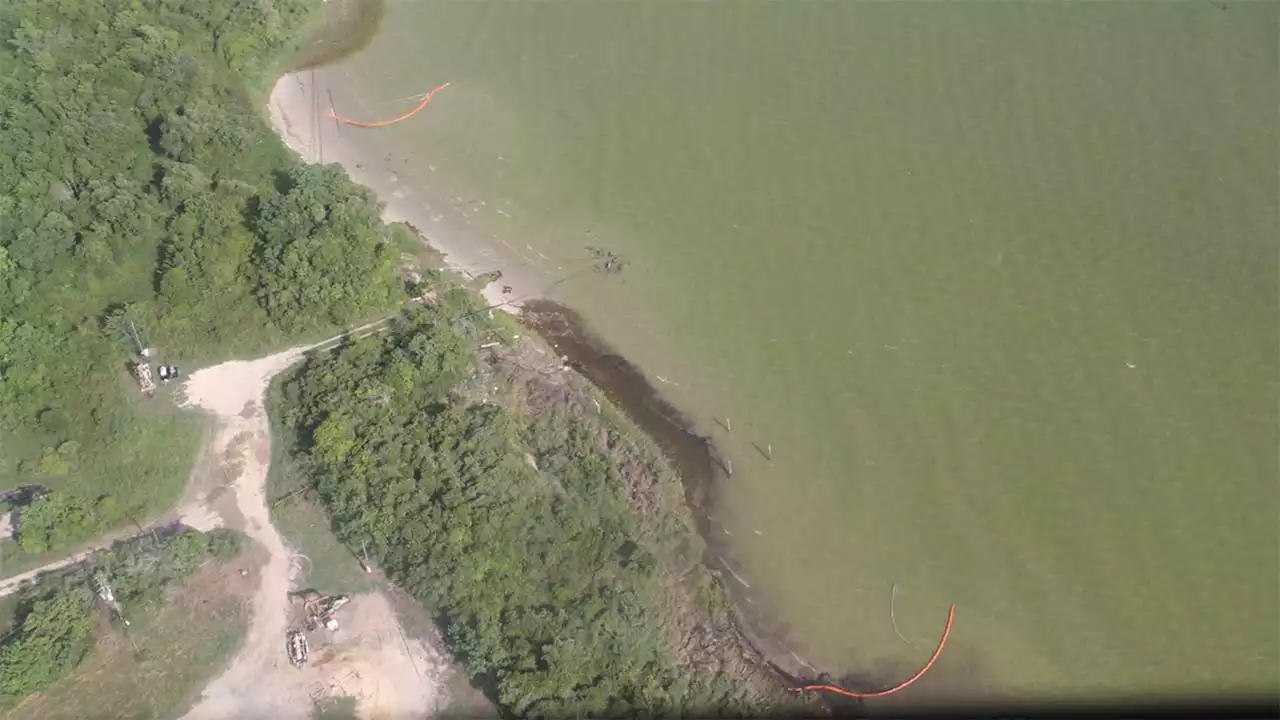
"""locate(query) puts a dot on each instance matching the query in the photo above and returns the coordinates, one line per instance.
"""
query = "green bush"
(57, 520)
(139, 569)
(224, 544)
(50, 640)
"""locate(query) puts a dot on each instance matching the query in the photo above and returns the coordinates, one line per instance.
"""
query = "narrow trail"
(14, 583)
(191, 510)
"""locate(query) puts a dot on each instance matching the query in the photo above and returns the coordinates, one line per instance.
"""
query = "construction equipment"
(297, 648)
(319, 609)
(141, 363)
(142, 371)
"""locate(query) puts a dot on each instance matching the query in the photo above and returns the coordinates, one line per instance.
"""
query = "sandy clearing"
(233, 392)
(388, 679)
(293, 117)
(371, 660)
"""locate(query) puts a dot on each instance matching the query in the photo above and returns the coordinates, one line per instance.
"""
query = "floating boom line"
(951, 616)
(384, 123)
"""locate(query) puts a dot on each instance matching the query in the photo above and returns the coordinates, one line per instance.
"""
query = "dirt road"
(193, 509)
(368, 659)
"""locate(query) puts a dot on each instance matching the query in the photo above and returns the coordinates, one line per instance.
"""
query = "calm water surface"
(995, 284)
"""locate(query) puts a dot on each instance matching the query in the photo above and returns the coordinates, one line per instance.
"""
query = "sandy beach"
(318, 139)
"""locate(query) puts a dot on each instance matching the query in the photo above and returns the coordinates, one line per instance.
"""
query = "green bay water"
(995, 285)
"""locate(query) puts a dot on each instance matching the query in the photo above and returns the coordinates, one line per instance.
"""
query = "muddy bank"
(695, 458)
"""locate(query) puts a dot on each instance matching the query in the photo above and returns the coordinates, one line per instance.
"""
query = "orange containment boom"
(384, 123)
(951, 616)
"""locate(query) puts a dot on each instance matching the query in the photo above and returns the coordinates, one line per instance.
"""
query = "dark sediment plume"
(342, 29)
(694, 456)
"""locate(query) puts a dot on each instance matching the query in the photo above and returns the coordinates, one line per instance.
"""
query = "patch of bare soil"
(371, 659)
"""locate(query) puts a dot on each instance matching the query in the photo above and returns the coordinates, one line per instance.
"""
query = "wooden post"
(728, 466)
(728, 424)
(769, 452)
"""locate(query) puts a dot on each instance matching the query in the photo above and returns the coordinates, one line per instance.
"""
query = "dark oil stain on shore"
(702, 470)
(694, 457)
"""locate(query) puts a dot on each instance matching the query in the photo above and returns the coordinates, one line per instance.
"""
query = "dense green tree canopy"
(515, 527)
(50, 642)
(136, 173)
(318, 224)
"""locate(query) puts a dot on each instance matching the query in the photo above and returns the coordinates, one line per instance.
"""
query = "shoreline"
(694, 457)
(320, 140)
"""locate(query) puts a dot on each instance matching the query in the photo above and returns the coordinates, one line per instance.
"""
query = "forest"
(144, 202)
(552, 547)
